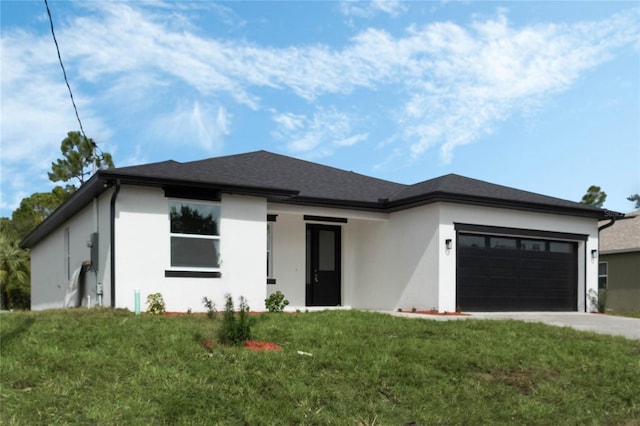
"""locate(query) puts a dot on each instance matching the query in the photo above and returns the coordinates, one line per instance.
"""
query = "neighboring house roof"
(622, 236)
(287, 179)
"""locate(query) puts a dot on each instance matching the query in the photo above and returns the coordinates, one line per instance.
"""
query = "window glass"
(195, 234)
(560, 247)
(327, 260)
(532, 245)
(269, 250)
(503, 243)
(475, 241)
(602, 268)
(602, 275)
(602, 282)
(195, 252)
(194, 218)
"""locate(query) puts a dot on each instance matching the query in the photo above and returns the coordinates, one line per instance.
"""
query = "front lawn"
(624, 314)
(112, 367)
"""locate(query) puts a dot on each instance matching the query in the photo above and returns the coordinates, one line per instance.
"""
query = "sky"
(540, 96)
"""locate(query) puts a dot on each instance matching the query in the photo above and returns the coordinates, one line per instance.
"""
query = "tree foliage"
(15, 291)
(78, 157)
(595, 196)
(76, 163)
(33, 210)
(635, 198)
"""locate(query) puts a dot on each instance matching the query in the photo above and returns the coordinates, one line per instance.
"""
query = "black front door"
(324, 268)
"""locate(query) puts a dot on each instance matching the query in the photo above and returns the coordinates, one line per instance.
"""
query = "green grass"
(625, 314)
(111, 367)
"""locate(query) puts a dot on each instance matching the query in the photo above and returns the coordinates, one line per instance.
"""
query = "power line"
(75, 108)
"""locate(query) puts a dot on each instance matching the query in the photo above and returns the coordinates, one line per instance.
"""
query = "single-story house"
(619, 268)
(251, 224)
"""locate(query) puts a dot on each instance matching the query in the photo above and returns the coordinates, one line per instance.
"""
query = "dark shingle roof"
(265, 170)
(464, 188)
(295, 181)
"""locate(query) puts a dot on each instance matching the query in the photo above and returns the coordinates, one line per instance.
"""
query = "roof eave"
(434, 197)
(333, 203)
(78, 200)
(103, 180)
(222, 187)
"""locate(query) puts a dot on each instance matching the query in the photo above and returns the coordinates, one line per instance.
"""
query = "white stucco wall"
(396, 263)
(389, 261)
(289, 258)
(49, 281)
(143, 253)
(459, 213)
(289, 250)
(399, 260)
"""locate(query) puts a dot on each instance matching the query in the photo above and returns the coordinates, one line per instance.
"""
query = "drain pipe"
(114, 196)
(612, 220)
(606, 225)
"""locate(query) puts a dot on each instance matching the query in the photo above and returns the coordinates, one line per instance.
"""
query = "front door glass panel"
(327, 250)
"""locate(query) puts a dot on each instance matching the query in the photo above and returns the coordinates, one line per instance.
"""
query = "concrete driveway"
(604, 324)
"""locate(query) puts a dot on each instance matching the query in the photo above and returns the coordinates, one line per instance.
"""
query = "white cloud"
(475, 78)
(454, 83)
(370, 8)
(204, 126)
(318, 135)
(289, 121)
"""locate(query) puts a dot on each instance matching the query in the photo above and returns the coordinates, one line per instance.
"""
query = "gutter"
(112, 230)
(612, 218)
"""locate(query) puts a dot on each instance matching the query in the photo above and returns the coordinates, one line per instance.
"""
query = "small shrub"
(235, 330)
(598, 299)
(413, 309)
(210, 306)
(155, 304)
(276, 302)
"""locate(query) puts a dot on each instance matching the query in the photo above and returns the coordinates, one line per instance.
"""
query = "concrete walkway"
(604, 324)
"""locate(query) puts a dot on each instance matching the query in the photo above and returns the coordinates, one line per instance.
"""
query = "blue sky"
(541, 96)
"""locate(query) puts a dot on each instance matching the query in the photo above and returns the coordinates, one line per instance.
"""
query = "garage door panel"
(519, 274)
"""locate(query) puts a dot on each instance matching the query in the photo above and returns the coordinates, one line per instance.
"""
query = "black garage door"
(500, 273)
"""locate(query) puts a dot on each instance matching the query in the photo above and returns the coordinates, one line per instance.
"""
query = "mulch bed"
(433, 312)
(252, 345)
(260, 345)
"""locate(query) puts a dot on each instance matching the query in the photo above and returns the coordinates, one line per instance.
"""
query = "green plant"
(155, 304)
(598, 299)
(276, 302)
(235, 329)
(364, 364)
(211, 307)
(413, 309)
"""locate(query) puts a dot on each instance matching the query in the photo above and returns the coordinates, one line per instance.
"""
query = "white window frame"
(605, 275)
(218, 238)
(270, 249)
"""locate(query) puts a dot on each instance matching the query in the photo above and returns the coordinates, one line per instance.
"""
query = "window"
(560, 247)
(532, 245)
(269, 249)
(271, 219)
(195, 235)
(603, 272)
(475, 241)
(503, 243)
